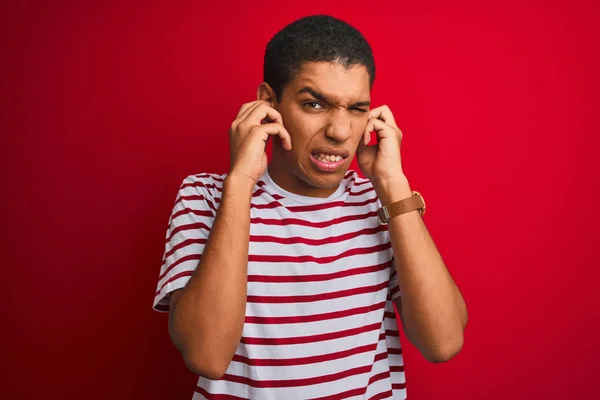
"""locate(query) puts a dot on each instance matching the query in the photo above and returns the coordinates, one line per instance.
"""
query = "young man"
(280, 279)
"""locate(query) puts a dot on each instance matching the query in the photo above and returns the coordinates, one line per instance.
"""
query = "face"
(325, 109)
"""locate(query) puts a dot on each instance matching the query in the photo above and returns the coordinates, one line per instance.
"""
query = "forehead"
(334, 81)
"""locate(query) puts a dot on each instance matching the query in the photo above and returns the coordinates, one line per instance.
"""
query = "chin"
(323, 180)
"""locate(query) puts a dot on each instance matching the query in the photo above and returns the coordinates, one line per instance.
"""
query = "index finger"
(246, 108)
(385, 114)
(275, 129)
(264, 111)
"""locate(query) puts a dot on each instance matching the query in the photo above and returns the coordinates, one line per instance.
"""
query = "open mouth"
(323, 157)
(328, 160)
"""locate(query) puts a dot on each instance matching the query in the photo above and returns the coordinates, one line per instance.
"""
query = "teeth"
(328, 157)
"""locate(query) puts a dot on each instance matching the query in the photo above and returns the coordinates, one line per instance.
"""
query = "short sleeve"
(189, 226)
(394, 286)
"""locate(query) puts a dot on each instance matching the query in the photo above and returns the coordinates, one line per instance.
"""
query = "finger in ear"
(367, 135)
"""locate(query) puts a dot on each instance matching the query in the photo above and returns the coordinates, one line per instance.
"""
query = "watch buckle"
(384, 215)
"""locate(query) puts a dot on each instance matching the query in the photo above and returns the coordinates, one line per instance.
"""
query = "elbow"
(205, 367)
(208, 361)
(444, 352)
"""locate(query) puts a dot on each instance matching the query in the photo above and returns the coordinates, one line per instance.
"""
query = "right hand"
(248, 138)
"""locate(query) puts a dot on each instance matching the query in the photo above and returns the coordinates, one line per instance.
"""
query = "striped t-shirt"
(320, 321)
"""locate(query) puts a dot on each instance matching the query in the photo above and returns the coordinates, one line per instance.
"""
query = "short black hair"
(312, 39)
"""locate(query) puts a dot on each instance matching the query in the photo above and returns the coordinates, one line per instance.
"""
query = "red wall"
(106, 108)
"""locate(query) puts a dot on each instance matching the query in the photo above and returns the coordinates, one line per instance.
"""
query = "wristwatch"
(415, 202)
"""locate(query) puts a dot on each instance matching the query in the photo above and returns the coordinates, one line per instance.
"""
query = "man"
(280, 279)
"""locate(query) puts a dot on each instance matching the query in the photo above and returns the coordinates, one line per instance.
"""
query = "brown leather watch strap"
(415, 202)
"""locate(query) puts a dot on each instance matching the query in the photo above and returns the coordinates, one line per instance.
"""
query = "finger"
(263, 111)
(364, 143)
(246, 121)
(382, 128)
(273, 129)
(242, 114)
(366, 138)
(384, 114)
(247, 109)
(244, 107)
(367, 134)
(375, 125)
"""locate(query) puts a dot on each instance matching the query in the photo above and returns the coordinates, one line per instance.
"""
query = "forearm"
(206, 324)
(433, 310)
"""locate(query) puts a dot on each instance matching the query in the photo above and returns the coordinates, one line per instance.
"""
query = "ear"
(266, 93)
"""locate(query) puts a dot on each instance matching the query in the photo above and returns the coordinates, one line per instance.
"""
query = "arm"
(206, 317)
(433, 311)
(432, 308)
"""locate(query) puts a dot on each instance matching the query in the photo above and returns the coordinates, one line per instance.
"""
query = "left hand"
(381, 162)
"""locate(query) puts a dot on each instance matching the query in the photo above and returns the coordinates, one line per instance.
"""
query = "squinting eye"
(313, 104)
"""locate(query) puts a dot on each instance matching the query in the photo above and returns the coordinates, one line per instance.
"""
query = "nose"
(339, 126)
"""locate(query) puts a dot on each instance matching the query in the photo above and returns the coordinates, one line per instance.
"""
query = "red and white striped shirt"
(320, 321)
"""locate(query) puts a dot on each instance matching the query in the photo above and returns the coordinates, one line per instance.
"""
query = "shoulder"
(207, 184)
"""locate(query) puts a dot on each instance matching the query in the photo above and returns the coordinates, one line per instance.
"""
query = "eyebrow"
(324, 99)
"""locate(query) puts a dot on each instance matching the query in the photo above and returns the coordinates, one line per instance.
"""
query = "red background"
(106, 107)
